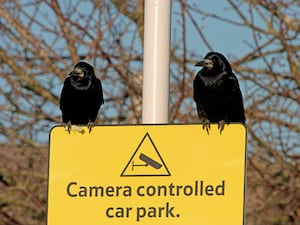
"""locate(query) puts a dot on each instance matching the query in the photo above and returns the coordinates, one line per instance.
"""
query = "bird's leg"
(68, 126)
(221, 125)
(90, 125)
(206, 125)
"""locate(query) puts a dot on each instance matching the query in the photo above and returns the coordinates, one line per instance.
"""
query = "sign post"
(156, 61)
(159, 174)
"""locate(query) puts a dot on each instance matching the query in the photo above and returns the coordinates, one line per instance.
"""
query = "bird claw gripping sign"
(147, 174)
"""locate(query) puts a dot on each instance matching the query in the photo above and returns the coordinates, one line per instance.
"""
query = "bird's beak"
(205, 63)
(77, 73)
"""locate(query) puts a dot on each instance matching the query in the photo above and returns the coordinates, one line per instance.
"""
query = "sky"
(222, 36)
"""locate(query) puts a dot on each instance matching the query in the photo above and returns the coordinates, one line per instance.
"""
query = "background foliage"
(41, 41)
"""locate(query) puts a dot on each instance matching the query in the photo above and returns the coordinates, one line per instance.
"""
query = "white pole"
(157, 19)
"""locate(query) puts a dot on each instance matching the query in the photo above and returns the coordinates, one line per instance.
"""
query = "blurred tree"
(41, 41)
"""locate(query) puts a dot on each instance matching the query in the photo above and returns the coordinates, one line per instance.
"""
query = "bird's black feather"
(81, 96)
(217, 93)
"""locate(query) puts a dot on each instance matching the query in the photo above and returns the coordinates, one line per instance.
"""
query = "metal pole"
(156, 61)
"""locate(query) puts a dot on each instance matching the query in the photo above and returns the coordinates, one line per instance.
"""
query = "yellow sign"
(147, 174)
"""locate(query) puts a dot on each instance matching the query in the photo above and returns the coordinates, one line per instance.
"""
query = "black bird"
(217, 93)
(81, 96)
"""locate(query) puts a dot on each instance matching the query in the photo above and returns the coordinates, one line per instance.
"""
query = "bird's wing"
(96, 99)
(235, 100)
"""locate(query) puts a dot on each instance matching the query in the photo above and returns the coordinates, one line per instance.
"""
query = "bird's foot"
(206, 125)
(68, 126)
(90, 125)
(221, 125)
